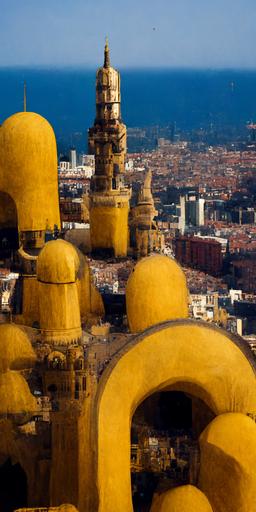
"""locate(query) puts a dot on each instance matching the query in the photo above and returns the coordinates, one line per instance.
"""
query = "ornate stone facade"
(109, 198)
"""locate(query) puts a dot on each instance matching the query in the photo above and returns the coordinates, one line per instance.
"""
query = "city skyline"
(170, 34)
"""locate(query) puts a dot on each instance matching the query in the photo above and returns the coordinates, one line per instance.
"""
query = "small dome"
(185, 498)
(15, 396)
(66, 507)
(156, 291)
(16, 352)
(58, 263)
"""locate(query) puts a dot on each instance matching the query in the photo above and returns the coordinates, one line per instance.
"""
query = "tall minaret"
(109, 198)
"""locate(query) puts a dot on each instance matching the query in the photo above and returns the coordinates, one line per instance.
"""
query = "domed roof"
(28, 169)
(29, 122)
(228, 460)
(156, 291)
(16, 352)
(185, 498)
(15, 396)
(58, 263)
(232, 434)
(66, 507)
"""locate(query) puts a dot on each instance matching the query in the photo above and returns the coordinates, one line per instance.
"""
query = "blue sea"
(192, 99)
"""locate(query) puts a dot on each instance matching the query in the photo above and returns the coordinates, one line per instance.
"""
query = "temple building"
(73, 384)
(109, 198)
(145, 237)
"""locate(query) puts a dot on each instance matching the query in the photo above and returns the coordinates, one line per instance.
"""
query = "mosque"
(70, 384)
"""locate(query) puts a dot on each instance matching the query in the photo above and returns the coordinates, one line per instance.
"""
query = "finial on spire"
(106, 55)
(25, 97)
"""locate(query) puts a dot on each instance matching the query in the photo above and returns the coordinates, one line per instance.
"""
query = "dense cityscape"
(205, 210)
(205, 202)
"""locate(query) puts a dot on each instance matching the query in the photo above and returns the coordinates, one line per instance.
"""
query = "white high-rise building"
(72, 158)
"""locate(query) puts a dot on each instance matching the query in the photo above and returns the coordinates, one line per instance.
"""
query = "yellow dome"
(156, 291)
(28, 170)
(67, 508)
(15, 396)
(228, 460)
(58, 263)
(185, 498)
(16, 352)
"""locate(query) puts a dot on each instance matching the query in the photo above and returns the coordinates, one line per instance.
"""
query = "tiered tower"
(109, 198)
(144, 234)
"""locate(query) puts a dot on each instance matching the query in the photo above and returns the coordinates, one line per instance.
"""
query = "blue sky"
(142, 33)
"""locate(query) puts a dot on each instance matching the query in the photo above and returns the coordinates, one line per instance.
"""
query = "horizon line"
(90, 67)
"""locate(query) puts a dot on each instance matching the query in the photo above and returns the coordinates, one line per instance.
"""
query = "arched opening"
(13, 487)
(164, 444)
(187, 356)
(9, 237)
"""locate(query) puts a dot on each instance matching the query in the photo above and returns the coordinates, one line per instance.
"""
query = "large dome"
(156, 291)
(186, 498)
(16, 352)
(28, 170)
(58, 263)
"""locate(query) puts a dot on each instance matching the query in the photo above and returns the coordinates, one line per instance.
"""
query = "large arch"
(199, 359)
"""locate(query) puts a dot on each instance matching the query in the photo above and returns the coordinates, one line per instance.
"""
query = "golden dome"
(58, 263)
(16, 352)
(156, 291)
(185, 498)
(28, 170)
(66, 507)
(228, 460)
(15, 396)
(232, 434)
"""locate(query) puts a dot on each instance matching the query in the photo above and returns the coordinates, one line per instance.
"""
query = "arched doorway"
(164, 444)
(13, 487)
(188, 356)
(9, 237)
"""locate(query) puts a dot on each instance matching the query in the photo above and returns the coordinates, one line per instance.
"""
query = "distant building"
(72, 158)
(70, 210)
(204, 307)
(243, 271)
(191, 212)
(203, 254)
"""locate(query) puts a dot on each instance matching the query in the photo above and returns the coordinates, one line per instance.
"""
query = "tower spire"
(106, 55)
(25, 96)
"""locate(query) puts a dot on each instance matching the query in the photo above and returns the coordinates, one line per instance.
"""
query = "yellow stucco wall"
(228, 460)
(186, 355)
(28, 170)
(8, 212)
(59, 312)
(30, 302)
(90, 300)
(109, 228)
